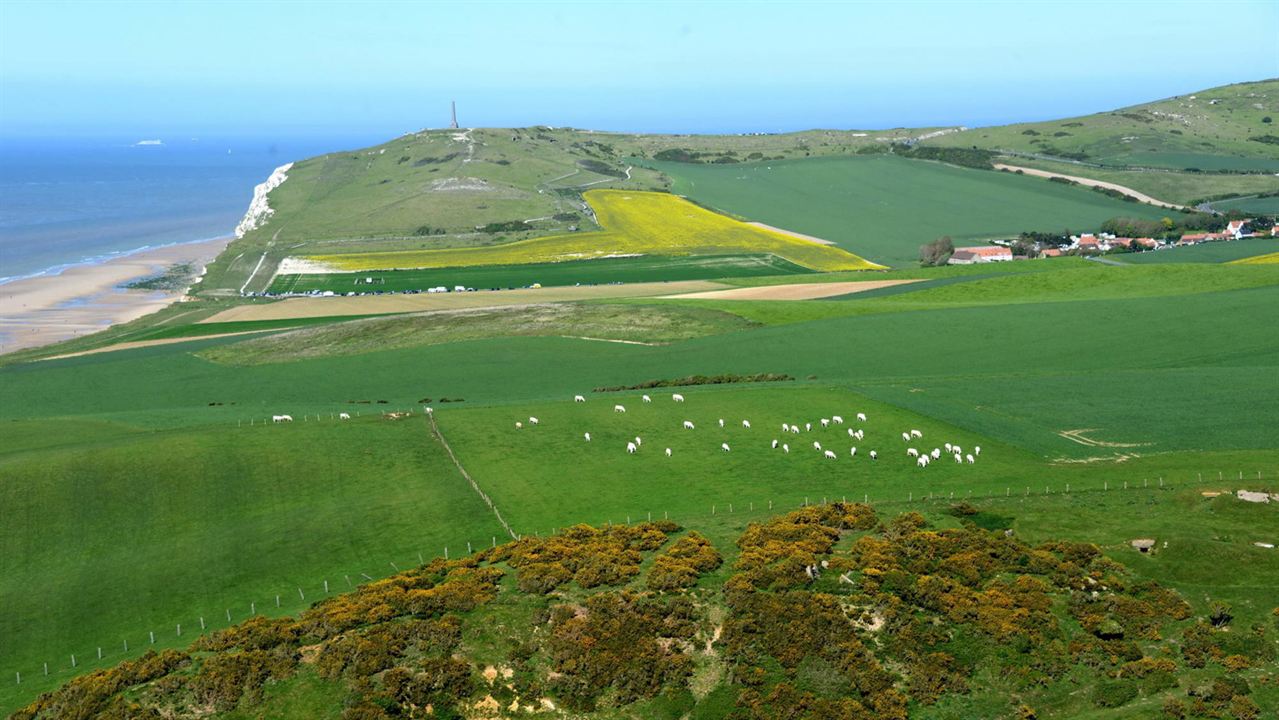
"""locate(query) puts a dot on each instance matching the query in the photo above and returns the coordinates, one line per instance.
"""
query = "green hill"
(1226, 128)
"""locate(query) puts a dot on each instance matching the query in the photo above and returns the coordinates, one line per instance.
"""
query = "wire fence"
(294, 598)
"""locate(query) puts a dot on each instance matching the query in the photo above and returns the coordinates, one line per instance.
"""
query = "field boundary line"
(435, 431)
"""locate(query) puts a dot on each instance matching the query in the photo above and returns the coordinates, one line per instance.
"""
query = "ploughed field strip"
(399, 303)
(800, 291)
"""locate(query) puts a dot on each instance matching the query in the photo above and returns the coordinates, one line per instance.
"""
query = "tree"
(936, 252)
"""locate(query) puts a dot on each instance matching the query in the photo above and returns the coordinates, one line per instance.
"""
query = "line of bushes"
(723, 379)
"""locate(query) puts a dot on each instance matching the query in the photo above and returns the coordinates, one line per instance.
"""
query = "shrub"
(1112, 694)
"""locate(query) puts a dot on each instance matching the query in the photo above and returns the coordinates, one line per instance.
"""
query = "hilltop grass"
(884, 207)
(641, 223)
(579, 272)
(1182, 188)
(1261, 205)
(1207, 253)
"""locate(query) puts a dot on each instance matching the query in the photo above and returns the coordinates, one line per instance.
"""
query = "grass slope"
(1214, 252)
(635, 223)
(885, 207)
(1215, 129)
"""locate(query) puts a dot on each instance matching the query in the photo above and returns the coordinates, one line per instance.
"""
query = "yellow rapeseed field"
(1269, 259)
(635, 223)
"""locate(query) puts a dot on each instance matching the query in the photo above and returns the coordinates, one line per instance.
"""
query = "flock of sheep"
(922, 458)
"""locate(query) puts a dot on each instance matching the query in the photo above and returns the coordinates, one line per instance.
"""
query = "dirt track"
(378, 304)
(796, 291)
(1089, 182)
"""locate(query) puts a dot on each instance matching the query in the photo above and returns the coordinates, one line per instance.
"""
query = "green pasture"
(1213, 252)
(1260, 205)
(114, 531)
(1192, 161)
(1182, 188)
(581, 272)
(884, 207)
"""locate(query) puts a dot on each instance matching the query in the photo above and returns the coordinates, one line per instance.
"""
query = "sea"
(66, 202)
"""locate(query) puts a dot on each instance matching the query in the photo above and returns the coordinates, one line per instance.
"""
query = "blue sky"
(381, 68)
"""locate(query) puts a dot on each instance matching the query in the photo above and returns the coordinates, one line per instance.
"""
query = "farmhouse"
(1088, 243)
(1051, 252)
(1237, 229)
(1196, 238)
(981, 254)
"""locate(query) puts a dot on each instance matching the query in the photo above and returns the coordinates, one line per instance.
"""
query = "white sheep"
(808, 427)
(970, 459)
(959, 458)
(906, 437)
(688, 424)
(958, 449)
(638, 441)
(646, 398)
(912, 452)
(721, 422)
(817, 445)
(874, 455)
(774, 444)
(977, 450)
(830, 455)
(724, 446)
(851, 433)
(950, 448)
(837, 419)
(619, 408)
(922, 462)
(518, 424)
(281, 418)
(587, 436)
(668, 452)
(579, 398)
(861, 417)
(677, 397)
(746, 424)
(631, 448)
(936, 453)
(785, 427)
(344, 416)
(860, 435)
(916, 434)
(794, 429)
(825, 422)
(786, 448)
(853, 452)
(532, 420)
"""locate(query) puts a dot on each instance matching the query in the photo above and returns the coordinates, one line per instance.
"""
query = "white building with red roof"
(980, 254)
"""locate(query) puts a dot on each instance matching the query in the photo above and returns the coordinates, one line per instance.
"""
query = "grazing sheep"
(959, 458)
(853, 452)
(906, 437)
(808, 427)
(668, 452)
(532, 420)
(518, 424)
(579, 398)
(970, 459)
(688, 424)
(949, 448)
(721, 422)
(344, 416)
(638, 441)
(785, 427)
(825, 422)
(587, 436)
(281, 418)
(631, 448)
(912, 452)
(677, 397)
(916, 434)
(746, 424)
(817, 445)
(646, 398)
(786, 448)
(977, 450)
(725, 447)
(794, 429)
(861, 417)
(774, 444)
(830, 455)
(619, 408)
(837, 419)
(936, 453)
(958, 449)
(860, 435)
(874, 455)
(922, 462)
(851, 433)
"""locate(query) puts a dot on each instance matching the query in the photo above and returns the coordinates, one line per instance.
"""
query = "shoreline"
(87, 297)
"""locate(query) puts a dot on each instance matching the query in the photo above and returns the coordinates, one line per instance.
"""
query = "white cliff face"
(259, 210)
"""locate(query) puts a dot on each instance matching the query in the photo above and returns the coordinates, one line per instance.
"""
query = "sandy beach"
(87, 298)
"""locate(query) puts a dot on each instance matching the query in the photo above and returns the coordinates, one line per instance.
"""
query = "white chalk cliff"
(259, 210)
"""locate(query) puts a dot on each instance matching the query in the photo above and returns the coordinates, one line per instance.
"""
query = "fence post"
(99, 653)
(46, 668)
(300, 594)
(73, 660)
(326, 586)
(152, 634)
(179, 629)
(253, 608)
(201, 622)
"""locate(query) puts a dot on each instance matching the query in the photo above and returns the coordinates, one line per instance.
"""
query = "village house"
(1238, 229)
(980, 254)
(1089, 243)
(1196, 238)
(1051, 252)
